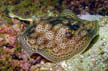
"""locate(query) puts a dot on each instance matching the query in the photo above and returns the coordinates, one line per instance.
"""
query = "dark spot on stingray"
(73, 27)
(68, 35)
(63, 18)
(55, 22)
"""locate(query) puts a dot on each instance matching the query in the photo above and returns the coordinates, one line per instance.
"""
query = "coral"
(9, 32)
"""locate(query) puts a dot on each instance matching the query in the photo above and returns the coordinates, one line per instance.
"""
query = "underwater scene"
(53, 35)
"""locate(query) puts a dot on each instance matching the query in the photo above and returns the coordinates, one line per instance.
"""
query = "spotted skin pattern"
(59, 38)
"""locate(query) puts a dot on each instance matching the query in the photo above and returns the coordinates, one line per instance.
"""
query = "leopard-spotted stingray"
(60, 37)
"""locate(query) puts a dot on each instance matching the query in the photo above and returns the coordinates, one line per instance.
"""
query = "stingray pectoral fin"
(46, 55)
(24, 45)
(93, 34)
(93, 41)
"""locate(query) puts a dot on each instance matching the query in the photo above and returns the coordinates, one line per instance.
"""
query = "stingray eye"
(68, 34)
(75, 27)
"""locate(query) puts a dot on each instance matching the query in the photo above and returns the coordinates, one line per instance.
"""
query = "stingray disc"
(59, 38)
